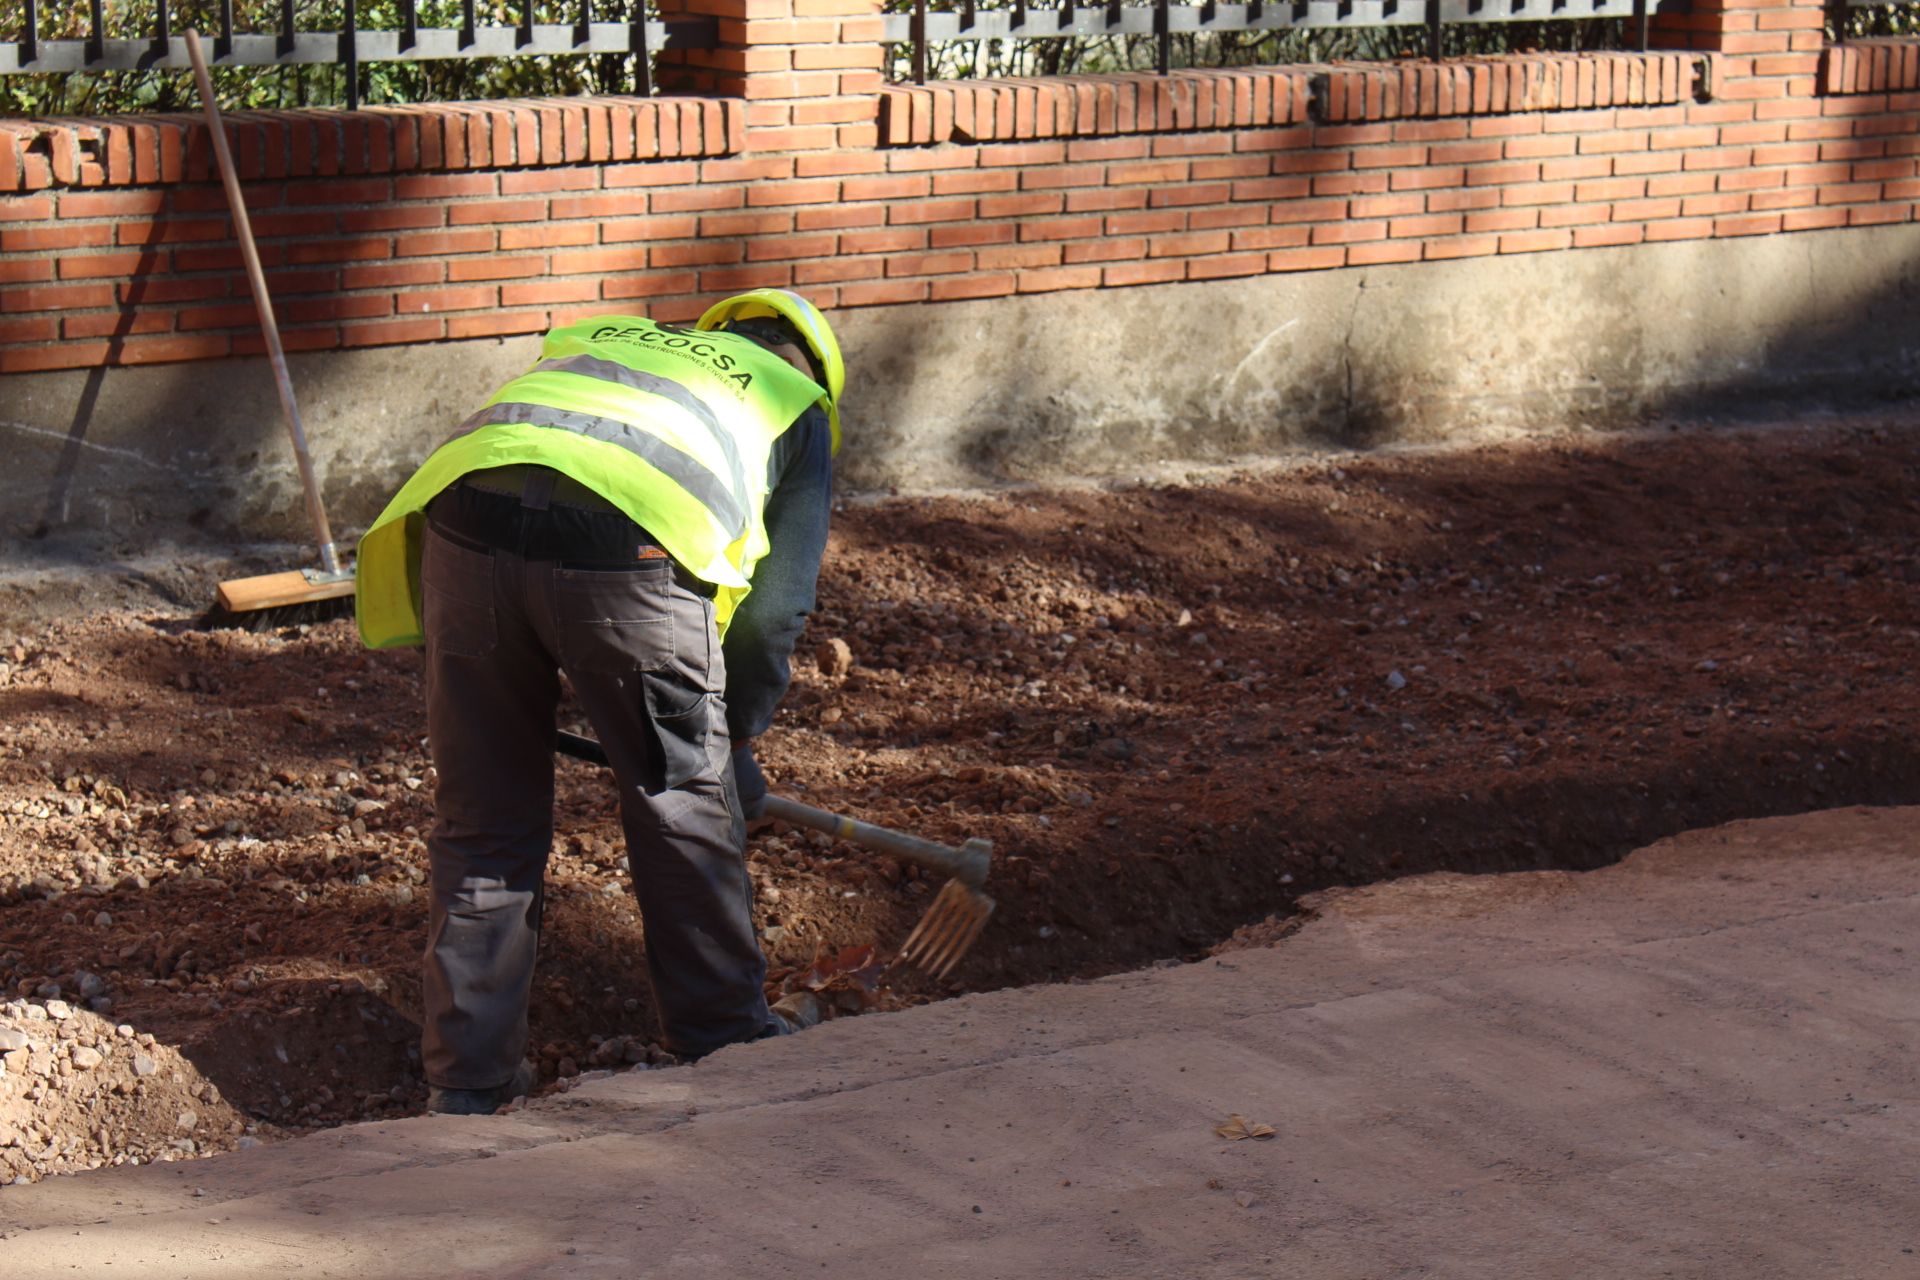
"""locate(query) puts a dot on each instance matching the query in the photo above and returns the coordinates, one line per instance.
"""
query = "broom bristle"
(278, 617)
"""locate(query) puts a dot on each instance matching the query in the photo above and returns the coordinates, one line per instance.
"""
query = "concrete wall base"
(1057, 386)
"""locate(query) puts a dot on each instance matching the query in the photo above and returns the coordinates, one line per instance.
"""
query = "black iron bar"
(409, 23)
(97, 41)
(285, 43)
(466, 24)
(1839, 16)
(1436, 31)
(1019, 16)
(637, 41)
(526, 23)
(919, 41)
(1642, 13)
(30, 38)
(162, 27)
(1067, 15)
(1115, 13)
(1162, 37)
(223, 43)
(967, 16)
(583, 29)
(350, 53)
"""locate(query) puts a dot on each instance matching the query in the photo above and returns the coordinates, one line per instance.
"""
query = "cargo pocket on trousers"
(616, 621)
(683, 721)
(456, 598)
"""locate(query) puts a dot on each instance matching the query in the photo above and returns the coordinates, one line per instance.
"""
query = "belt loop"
(538, 490)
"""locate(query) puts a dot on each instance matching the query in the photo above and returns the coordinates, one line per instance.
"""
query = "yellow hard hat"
(807, 320)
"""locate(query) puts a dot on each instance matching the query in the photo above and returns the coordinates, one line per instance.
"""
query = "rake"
(958, 912)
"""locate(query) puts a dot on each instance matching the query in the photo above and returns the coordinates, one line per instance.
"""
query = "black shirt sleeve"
(761, 635)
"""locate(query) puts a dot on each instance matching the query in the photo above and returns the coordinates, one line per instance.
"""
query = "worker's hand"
(750, 782)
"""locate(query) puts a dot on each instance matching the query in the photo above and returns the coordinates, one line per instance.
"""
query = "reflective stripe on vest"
(640, 380)
(729, 509)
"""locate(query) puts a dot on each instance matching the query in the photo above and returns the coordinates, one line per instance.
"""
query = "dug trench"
(1175, 709)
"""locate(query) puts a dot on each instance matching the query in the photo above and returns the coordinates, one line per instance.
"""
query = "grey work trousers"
(641, 653)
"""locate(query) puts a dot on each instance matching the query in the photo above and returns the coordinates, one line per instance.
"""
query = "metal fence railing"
(1164, 21)
(421, 31)
(353, 45)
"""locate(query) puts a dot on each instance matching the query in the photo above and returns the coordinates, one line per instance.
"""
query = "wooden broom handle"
(316, 511)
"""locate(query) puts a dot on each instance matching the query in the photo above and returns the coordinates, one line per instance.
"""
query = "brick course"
(423, 224)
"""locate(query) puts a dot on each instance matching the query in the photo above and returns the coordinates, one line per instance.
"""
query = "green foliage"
(262, 88)
(1087, 55)
(1877, 20)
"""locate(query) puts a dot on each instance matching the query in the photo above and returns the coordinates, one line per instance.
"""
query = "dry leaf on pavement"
(1238, 1126)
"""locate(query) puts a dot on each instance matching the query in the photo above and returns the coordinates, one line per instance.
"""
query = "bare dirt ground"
(1173, 709)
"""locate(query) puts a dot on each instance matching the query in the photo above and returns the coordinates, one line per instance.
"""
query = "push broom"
(305, 594)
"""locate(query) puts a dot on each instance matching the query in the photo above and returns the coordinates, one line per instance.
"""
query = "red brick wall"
(798, 167)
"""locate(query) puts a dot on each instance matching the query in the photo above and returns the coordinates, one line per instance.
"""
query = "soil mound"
(77, 1092)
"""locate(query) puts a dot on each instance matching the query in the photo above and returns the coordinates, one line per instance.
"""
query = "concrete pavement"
(1697, 1063)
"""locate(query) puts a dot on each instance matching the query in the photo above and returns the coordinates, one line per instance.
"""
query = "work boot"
(481, 1102)
(797, 1012)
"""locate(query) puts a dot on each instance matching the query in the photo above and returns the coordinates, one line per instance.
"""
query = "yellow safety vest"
(671, 425)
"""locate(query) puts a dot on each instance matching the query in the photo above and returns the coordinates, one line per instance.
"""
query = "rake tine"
(948, 930)
(924, 931)
(933, 946)
(962, 941)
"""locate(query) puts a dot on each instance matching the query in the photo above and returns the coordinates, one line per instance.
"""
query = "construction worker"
(603, 516)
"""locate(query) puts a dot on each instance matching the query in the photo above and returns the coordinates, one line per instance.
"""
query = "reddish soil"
(1173, 709)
